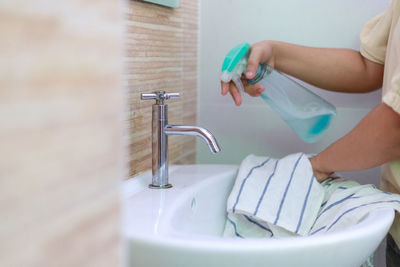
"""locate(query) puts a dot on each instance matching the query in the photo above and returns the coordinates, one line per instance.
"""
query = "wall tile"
(161, 54)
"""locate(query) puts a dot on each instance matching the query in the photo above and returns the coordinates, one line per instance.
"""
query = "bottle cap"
(234, 56)
(235, 65)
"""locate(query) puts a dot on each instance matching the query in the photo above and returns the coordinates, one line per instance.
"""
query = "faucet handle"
(148, 96)
(159, 96)
(171, 96)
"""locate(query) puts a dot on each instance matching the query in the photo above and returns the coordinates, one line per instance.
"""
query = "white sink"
(182, 226)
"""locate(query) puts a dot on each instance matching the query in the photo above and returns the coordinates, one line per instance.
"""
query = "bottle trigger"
(238, 83)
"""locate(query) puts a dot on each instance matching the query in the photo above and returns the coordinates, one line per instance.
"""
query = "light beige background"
(72, 122)
(61, 132)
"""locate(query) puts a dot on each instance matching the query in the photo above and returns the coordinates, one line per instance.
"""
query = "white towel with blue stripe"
(273, 197)
(281, 197)
(346, 203)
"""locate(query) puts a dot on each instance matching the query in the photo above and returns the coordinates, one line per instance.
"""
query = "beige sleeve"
(374, 37)
(392, 97)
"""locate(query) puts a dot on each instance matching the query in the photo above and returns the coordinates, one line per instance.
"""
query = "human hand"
(261, 52)
(319, 173)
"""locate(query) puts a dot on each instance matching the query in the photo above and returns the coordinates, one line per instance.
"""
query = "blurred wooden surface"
(61, 132)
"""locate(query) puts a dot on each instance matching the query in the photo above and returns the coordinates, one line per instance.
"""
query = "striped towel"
(346, 203)
(273, 197)
(281, 197)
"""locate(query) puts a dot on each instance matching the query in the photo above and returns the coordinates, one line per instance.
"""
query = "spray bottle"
(306, 113)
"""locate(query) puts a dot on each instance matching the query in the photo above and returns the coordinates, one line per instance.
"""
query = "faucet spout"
(160, 131)
(206, 135)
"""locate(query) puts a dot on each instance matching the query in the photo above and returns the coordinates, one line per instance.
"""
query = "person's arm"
(333, 69)
(374, 141)
(342, 70)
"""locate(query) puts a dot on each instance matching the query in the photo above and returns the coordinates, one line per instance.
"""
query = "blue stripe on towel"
(316, 231)
(287, 188)
(244, 181)
(363, 205)
(258, 224)
(265, 189)
(334, 204)
(305, 203)
(234, 227)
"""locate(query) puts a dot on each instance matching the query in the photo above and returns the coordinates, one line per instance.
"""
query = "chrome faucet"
(160, 132)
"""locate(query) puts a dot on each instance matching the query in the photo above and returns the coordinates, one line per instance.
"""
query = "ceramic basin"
(182, 226)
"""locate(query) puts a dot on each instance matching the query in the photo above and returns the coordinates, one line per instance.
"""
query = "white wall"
(254, 127)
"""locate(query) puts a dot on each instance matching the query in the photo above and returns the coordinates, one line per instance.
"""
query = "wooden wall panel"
(161, 54)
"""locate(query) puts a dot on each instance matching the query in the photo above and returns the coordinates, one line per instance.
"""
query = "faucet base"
(160, 186)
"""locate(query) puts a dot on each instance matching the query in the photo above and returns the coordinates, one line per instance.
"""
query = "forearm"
(374, 141)
(342, 70)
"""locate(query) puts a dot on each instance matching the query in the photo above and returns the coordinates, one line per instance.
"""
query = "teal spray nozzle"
(235, 65)
(305, 112)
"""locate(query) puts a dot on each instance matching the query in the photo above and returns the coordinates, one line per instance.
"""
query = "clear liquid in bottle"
(306, 113)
